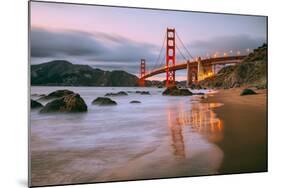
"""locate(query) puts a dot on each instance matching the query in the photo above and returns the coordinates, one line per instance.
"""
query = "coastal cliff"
(251, 71)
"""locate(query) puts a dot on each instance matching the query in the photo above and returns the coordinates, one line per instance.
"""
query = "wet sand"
(245, 130)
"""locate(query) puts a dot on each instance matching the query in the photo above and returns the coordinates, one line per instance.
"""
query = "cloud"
(226, 43)
(114, 52)
(98, 47)
(53, 44)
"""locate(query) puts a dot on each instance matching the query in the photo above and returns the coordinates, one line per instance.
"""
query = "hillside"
(64, 73)
(251, 71)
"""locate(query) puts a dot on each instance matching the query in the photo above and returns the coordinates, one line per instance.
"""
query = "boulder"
(57, 94)
(143, 92)
(35, 104)
(103, 101)
(37, 95)
(247, 92)
(135, 102)
(175, 91)
(68, 103)
(198, 93)
(120, 93)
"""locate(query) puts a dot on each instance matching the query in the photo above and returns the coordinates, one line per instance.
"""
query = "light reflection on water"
(200, 118)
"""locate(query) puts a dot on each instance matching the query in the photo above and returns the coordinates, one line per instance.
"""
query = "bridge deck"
(205, 62)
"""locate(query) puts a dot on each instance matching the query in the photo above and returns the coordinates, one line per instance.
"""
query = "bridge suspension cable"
(187, 51)
(162, 62)
(185, 58)
(159, 56)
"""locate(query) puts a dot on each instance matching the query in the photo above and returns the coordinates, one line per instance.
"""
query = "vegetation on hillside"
(251, 71)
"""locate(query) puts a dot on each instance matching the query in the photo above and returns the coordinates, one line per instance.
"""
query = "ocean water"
(163, 136)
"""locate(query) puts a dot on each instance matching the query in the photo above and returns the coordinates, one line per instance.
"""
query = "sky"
(113, 38)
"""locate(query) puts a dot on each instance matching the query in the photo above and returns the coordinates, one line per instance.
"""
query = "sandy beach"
(245, 130)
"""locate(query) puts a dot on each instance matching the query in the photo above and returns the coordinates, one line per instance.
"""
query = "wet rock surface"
(69, 103)
(175, 91)
(34, 104)
(135, 102)
(247, 92)
(120, 93)
(57, 94)
(103, 101)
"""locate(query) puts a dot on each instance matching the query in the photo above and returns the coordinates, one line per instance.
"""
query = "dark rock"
(35, 104)
(145, 93)
(38, 95)
(135, 102)
(247, 92)
(57, 94)
(103, 101)
(175, 91)
(198, 93)
(69, 103)
(120, 93)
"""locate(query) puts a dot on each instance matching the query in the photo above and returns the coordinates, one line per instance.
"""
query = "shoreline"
(245, 130)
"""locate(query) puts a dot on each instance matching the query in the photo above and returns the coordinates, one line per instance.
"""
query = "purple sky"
(117, 38)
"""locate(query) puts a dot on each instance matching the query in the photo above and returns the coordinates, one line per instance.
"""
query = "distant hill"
(251, 71)
(64, 73)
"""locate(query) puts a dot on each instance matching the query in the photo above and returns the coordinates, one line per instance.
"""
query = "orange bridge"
(197, 68)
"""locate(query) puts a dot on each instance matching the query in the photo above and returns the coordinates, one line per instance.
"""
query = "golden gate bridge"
(197, 69)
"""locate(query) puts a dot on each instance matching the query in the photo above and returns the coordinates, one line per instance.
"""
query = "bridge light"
(238, 52)
(224, 54)
(230, 51)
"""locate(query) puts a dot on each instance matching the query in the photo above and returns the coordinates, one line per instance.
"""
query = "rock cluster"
(143, 92)
(120, 93)
(175, 91)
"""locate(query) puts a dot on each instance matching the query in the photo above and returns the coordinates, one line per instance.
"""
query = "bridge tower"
(200, 69)
(170, 57)
(187, 74)
(142, 73)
